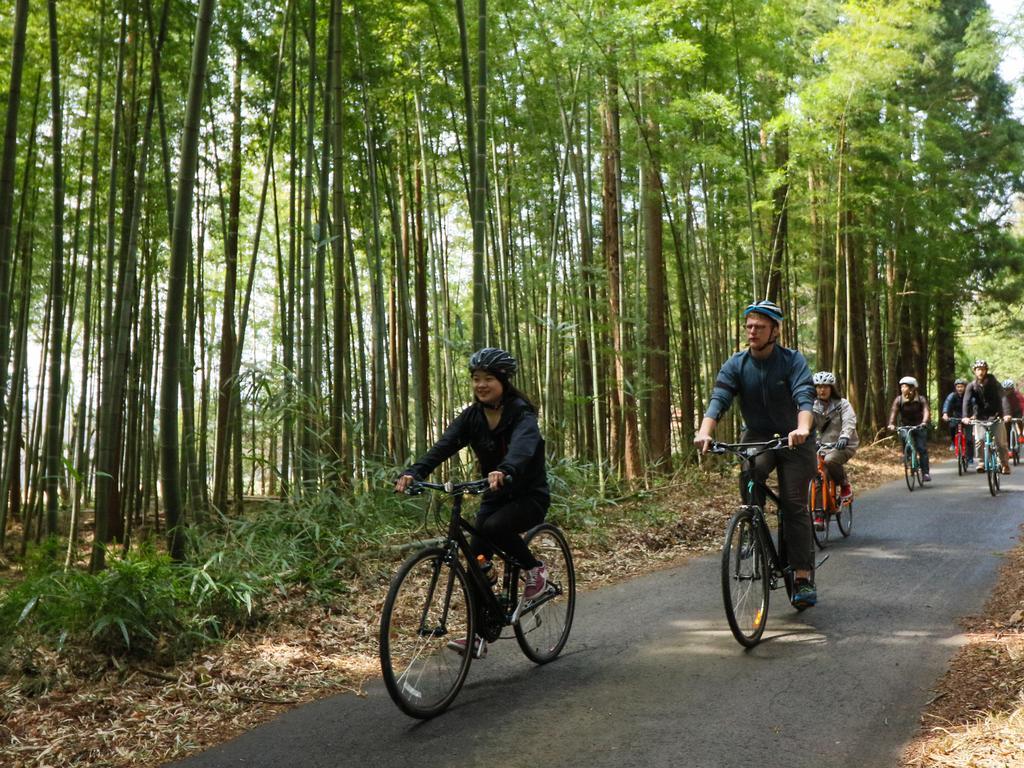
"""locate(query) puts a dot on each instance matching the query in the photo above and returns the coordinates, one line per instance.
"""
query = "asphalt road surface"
(651, 675)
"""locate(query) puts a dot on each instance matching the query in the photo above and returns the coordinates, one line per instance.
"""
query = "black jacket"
(985, 400)
(515, 447)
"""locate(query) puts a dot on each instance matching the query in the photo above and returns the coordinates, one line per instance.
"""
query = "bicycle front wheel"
(543, 627)
(428, 610)
(908, 467)
(745, 578)
(819, 514)
(844, 517)
(992, 471)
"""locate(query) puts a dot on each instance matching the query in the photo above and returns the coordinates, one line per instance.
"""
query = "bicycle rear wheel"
(745, 578)
(428, 606)
(543, 628)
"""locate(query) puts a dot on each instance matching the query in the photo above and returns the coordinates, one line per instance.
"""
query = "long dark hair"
(509, 392)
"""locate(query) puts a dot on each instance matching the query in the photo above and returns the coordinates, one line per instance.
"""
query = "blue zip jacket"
(954, 405)
(772, 392)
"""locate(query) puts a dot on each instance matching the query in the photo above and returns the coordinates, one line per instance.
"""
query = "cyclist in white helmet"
(836, 423)
(985, 399)
(912, 408)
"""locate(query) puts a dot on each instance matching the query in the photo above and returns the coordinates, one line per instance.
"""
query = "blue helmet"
(767, 308)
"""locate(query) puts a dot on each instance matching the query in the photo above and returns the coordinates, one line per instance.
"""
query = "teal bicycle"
(990, 454)
(911, 458)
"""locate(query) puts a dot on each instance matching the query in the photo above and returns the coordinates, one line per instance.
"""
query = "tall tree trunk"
(180, 247)
(659, 409)
(226, 425)
(54, 433)
(7, 170)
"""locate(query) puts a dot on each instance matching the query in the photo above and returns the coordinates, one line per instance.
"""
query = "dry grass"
(976, 717)
(98, 712)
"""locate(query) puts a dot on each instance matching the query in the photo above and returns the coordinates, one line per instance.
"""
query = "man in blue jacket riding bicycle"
(776, 395)
(953, 408)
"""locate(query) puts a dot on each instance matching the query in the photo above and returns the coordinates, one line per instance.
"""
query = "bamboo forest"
(246, 248)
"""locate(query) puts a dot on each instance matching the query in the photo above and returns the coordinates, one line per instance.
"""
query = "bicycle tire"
(908, 467)
(844, 518)
(816, 505)
(543, 631)
(745, 578)
(1015, 444)
(429, 604)
(992, 471)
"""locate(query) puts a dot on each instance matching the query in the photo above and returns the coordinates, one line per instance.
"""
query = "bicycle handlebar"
(471, 487)
(749, 450)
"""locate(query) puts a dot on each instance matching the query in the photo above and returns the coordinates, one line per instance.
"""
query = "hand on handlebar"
(496, 479)
(891, 427)
(403, 482)
(798, 437)
(703, 443)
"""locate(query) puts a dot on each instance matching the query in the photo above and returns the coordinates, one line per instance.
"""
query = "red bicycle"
(960, 446)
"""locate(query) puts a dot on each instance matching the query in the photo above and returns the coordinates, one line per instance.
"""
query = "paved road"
(652, 677)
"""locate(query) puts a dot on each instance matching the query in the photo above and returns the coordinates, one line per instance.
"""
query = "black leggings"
(501, 524)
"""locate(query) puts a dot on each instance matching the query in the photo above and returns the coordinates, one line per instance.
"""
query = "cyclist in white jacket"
(836, 423)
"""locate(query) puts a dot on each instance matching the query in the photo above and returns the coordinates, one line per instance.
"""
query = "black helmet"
(493, 360)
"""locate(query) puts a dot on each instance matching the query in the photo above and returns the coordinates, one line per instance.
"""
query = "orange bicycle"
(826, 504)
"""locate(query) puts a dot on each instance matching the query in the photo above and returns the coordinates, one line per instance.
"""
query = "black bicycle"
(441, 599)
(754, 562)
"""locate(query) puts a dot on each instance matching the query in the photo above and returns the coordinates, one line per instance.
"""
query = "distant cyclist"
(501, 428)
(984, 399)
(911, 407)
(953, 408)
(836, 424)
(1014, 399)
(776, 396)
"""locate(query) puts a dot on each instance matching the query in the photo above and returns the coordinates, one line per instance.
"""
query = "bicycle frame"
(495, 610)
(960, 438)
(827, 486)
(909, 447)
(748, 452)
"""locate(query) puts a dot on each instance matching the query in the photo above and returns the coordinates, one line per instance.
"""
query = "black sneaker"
(804, 594)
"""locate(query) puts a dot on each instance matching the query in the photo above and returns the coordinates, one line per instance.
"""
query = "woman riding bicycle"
(501, 428)
(836, 423)
(912, 409)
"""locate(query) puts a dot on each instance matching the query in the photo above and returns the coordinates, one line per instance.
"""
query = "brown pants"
(834, 460)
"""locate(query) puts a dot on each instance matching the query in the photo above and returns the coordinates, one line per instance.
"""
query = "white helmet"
(909, 380)
(824, 377)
